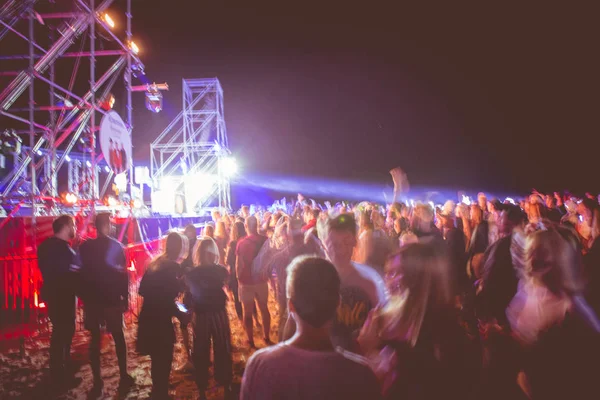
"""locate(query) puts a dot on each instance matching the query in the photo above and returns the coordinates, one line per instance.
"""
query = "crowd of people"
(476, 299)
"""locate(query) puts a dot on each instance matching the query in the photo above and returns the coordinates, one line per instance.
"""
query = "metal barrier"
(24, 313)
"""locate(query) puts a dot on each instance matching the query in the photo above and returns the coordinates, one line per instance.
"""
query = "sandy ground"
(26, 376)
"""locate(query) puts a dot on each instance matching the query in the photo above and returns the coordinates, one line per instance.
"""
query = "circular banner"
(115, 142)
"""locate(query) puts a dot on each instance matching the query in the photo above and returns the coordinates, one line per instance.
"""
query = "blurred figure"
(221, 239)
(362, 288)
(426, 353)
(206, 297)
(308, 366)
(209, 230)
(558, 330)
(190, 233)
(160, 287)
(238, 232)
(311, 221)
(59, 266)
(186, 266)
(105, 293)
(252, 287)
(455, 244)
(478, 244)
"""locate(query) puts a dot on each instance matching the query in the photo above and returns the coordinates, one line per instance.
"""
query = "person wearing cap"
(105, 293)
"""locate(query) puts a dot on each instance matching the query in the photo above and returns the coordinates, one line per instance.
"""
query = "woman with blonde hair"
(205, 296)
(553, 322)
(428, 353)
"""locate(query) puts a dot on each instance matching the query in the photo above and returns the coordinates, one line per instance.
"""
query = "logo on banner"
(115, 142)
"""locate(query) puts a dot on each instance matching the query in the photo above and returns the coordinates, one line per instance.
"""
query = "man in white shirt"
(308, 366)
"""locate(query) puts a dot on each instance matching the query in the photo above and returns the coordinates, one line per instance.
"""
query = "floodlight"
(228, 166)
(121, 181)
(71, 198)
(134, 47)
(108, 20)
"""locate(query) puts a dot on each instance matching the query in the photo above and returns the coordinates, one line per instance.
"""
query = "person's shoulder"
(367, 272)
(267, 355)
(114, 241)
(352, 358)
(357, 369)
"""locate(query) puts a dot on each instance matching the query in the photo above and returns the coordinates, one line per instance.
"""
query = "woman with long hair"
(238, 232)
(429, 355)
(209, 230)
(558, 331)
(221, 238)
(206, 297)
(160, 287)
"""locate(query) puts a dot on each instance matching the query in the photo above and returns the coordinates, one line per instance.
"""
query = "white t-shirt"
(290, 373)
(362, 289)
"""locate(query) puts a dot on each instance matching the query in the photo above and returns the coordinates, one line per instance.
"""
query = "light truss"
(186, 158)
(54, 129)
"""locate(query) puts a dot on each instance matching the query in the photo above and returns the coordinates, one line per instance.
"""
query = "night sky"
(502, 98)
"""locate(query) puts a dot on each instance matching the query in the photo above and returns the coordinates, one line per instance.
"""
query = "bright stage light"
(106, 168)
(70, 198)
(121, 181)
(89, 164)
(108, 20)
(67, 159)
(39, 152)
(134, 47)
(228, 166)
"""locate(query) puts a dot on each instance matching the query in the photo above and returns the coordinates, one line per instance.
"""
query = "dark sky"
(495, 97)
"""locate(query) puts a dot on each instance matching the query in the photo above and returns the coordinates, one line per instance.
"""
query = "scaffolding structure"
(77, 35)
(189, 158)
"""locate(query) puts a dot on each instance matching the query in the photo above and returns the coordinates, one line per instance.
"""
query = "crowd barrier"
(23, 311)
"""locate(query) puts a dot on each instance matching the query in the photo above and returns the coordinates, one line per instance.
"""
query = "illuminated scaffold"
(191, 164)
(50, 118)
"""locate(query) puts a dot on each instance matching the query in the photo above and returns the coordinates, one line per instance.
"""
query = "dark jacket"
(159, 287)
(499, 282)
(59, 266)
(105, 282)
(204, 288)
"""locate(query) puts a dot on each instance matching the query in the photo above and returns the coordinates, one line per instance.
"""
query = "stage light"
(107, 168)
(228, 166)
(39, 152)
(466, 200)
(108, 20)
(132, 266)
(67, 159)
(134, 47)
(121, 181)
(71, 198)
(42, 305)
(89, 164)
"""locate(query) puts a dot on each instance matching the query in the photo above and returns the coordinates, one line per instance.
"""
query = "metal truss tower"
(58, 113)
(189, 157)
